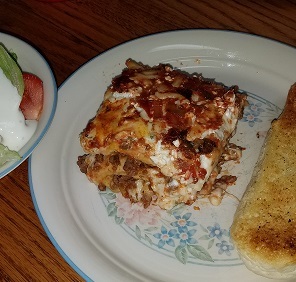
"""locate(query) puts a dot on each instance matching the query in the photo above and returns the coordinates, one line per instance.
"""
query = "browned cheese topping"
(167, 132)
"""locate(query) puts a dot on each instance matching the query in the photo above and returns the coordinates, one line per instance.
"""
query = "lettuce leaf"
(7, 155)
(11, 69)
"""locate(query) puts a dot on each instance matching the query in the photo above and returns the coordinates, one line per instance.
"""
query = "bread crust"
(264, 226)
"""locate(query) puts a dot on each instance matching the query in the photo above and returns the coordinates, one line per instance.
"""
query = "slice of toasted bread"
(264, 226)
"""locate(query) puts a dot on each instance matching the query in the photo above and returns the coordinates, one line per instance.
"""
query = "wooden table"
(70, 33)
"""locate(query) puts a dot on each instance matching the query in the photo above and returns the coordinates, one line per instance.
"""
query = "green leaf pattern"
(199, 252)
(181, 254)
(175, 233)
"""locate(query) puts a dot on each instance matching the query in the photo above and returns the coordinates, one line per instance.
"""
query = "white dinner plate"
(101, 235)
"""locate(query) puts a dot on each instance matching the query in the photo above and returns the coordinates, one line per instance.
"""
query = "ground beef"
(224, 181)
(82, 164)
(123, 183)
(114, 160)
(99, 158)
(128, 188)
(232, 152)
(206, 146)
(132, 166)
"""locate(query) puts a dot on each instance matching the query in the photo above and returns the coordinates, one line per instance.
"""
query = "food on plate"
(32, 101)
(264, 226)
(21, 104)
(161, 135)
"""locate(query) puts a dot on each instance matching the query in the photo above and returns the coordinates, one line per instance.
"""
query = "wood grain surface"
(69, 33)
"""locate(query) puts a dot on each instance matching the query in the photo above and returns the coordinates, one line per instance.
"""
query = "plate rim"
(51, 237)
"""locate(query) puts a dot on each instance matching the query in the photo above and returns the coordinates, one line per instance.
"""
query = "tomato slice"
(32, 101)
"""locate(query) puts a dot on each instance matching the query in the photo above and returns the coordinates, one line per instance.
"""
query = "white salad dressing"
(15, 131)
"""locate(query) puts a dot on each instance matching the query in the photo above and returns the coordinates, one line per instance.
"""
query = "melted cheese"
(148, 116)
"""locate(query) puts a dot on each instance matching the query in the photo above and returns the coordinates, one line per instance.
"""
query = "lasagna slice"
(160, 136)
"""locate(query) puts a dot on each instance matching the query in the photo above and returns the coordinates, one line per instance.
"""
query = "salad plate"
(32, 61)
(100, 234)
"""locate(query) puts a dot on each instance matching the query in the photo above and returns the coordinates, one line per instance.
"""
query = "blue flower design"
(166, 237)
(251, 118)
(252, 113)
(216, 231)
(255, 108)
(185, 236)
(183, 221)
(224, 247)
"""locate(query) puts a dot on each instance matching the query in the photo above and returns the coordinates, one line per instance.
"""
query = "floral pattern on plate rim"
(180, 233)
